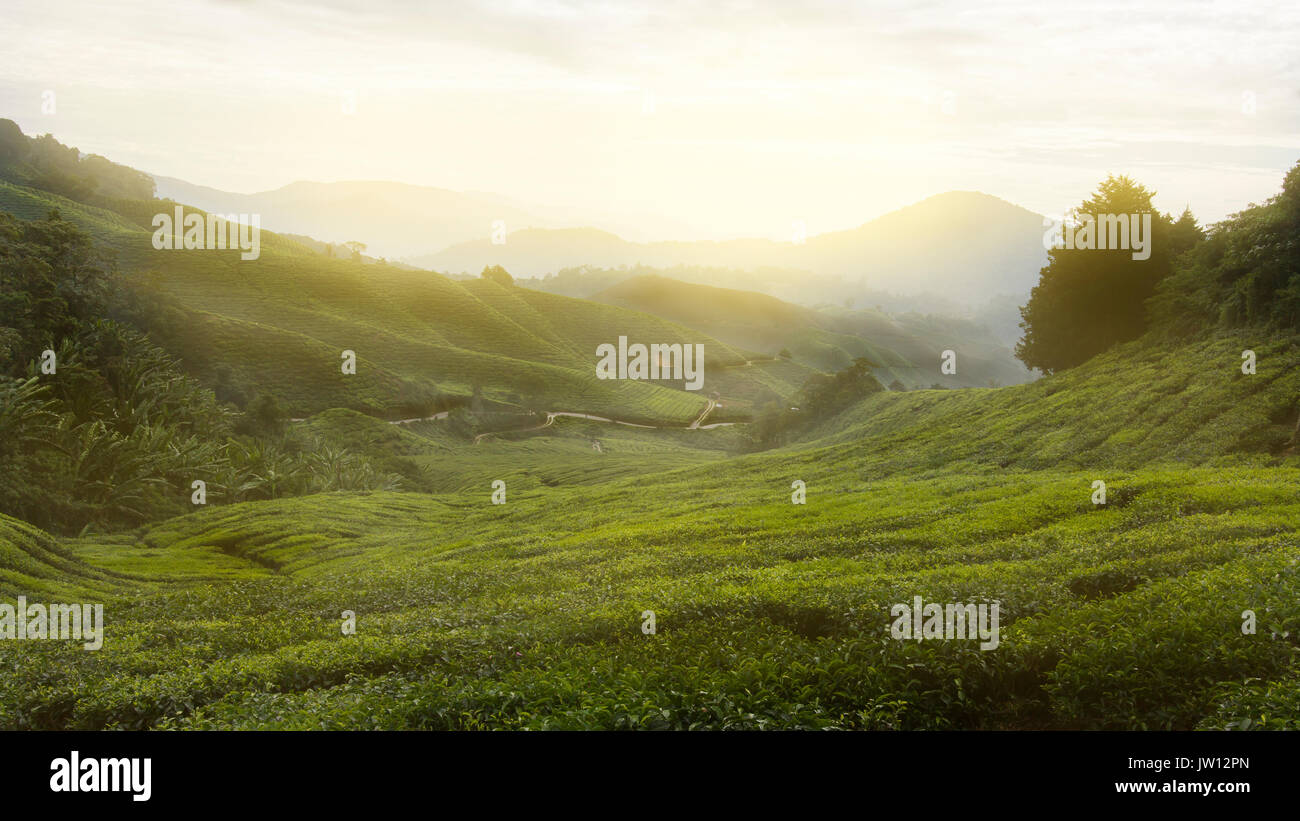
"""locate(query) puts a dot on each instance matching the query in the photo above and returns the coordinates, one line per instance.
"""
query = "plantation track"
(552, 415)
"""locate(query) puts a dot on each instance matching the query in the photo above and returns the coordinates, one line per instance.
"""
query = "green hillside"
(1142, 403)
(278, 324)
(768, 614)
(33, 563)
(906, 348)
(567, 452)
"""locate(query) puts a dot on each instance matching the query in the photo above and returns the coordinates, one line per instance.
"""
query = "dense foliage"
(116, 432)
(822, 397)
(1089, 299)
(43, 162)
(1246, 274)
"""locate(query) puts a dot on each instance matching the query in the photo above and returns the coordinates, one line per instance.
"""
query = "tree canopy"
(498, 275)
(1088, 299)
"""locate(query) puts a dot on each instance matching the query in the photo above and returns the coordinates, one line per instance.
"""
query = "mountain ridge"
(997, 248)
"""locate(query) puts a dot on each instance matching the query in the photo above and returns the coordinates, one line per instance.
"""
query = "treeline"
(100, 427)
(1242, 271)
(43, 162)
(1245, 273)
(822, 396)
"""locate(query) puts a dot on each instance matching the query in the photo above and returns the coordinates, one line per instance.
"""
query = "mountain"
(398, 220)
(963, 244)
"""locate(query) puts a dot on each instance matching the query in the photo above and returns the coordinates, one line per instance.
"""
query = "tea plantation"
(767, 614)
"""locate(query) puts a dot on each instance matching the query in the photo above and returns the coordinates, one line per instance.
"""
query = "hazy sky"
(703, 119)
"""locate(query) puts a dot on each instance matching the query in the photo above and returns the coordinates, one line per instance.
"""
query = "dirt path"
(697, 424)
(442, 415)
(551, 416)
(550, 420)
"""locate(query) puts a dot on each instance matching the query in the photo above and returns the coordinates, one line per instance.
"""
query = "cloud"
(457, 92)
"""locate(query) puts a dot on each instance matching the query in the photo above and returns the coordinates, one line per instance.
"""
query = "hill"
(907, 348)
(279, 323)
(276, 325)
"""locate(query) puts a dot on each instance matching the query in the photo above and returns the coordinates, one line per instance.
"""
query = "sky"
(687, 119)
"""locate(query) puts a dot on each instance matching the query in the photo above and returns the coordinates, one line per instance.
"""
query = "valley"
(498, 521)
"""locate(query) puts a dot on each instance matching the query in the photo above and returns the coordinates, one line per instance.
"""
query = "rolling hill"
(637, 578)
(907, 348)
(279, 324)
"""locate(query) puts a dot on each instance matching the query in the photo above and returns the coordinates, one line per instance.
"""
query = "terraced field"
(767, 613)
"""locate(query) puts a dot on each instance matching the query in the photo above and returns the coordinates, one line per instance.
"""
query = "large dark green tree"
(1088, 299)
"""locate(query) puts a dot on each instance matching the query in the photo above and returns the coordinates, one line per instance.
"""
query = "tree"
(265, 416)
(52, 282)
(1185, 233)
(823, 395)
(498, 275)
(357, 248)
(1088, 299)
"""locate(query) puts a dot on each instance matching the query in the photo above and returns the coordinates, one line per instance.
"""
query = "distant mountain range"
(962, 244)
(395, 220)
(960, 254)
